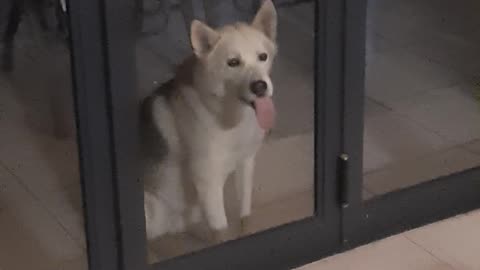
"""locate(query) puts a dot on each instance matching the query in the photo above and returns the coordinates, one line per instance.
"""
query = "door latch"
(343, 180)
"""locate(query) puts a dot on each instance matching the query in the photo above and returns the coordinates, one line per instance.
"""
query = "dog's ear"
(266, 20)
(203, 38)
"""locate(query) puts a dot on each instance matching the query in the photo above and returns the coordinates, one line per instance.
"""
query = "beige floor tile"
(296, 45)
(374, 109)
(391, 19)
(389, 138)
(66, 206)
(423, 17)
(455, 241)
(441, 31)
(31, 151)
(27, 228)
(31, 156)
(473, 146)
(9, 107)
(410, 74)
(280, 212)
(411, 172)
(79, 263)
(18, 243)
(394, 253)
(293, 97)
(375, 43)
(46, 166)
(284, 167)
(454, 51)
(172, 246)
(452, 113)
(292, 73)
(374, 157)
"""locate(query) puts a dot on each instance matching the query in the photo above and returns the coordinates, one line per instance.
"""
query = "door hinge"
(343, 180)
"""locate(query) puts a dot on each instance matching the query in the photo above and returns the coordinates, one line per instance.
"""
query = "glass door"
(421, 102)
(410, 115)
(41, 216)
(204, 136)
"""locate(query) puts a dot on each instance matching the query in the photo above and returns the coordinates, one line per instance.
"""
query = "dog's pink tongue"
(265, 112)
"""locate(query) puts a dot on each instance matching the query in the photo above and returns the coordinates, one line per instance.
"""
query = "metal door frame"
(103, 42)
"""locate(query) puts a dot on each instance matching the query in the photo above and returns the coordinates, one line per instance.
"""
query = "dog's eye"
(263, 57)
(233, 62)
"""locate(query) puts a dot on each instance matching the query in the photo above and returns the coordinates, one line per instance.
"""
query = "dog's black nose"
(259, 88)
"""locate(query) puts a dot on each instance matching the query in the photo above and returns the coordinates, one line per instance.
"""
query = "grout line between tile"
(408, 48)
(465, 147)
(465, 75)
(432, 153)
(429, 252)
(286, 198)
(42, 205)
(419, 124)
(378, 103)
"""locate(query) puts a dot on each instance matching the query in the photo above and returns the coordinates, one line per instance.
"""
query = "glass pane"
(422, 103)
(203, 129)
(41, 219)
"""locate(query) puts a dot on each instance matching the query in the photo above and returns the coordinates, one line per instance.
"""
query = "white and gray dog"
(207, 124)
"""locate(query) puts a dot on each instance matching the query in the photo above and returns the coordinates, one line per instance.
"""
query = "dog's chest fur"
(203, 137)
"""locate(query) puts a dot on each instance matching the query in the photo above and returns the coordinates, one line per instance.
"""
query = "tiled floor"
(452, 244)
(421, 118)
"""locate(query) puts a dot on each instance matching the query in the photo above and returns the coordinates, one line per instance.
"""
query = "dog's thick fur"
(200, 127)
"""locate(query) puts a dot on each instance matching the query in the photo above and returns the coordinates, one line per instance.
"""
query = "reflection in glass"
(215, 168)
(422, 114)
(40, 202)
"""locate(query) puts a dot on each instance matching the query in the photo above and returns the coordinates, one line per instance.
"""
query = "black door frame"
(103, 41)
(102, 44)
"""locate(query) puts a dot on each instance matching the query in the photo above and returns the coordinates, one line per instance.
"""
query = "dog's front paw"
(152, 256)
(245, 226)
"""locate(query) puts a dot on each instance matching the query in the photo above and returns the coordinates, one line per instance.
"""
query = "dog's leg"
(244, 185)
(209, 182)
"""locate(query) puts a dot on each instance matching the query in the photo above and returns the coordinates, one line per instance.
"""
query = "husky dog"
(207, 123)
